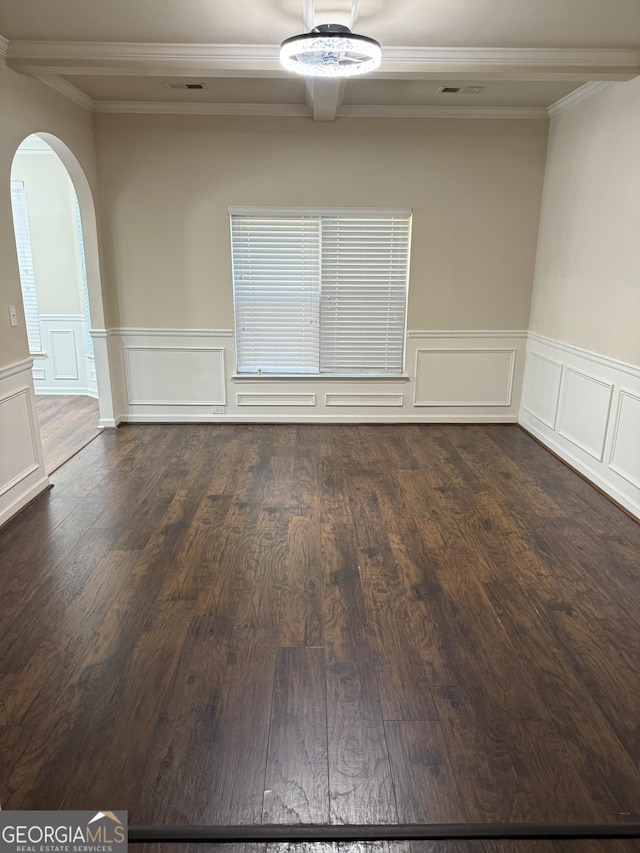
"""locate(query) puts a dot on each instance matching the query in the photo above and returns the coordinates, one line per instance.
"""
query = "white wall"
(582, 391)
(475, 190)
(588, 262)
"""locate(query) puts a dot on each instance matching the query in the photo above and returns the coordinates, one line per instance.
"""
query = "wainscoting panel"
(22, 473)
(584, 411)
(464, 377)
(276, 399)
(63, 366)
(625, 450)
(597, 428)
(186, 375)
(63, 354)
(19, 455)
(174, 375)
(364, 399)
(542, 388)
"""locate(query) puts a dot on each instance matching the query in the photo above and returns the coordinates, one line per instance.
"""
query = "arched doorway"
(60, 276)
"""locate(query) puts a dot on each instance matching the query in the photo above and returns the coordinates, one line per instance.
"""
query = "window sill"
(314, 377)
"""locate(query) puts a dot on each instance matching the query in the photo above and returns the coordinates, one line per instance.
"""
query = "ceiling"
(528, 57)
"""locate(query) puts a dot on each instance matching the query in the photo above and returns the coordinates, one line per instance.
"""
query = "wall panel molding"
(164, 380)
(363, 399)
(22, 472)
(464, 377)
(174, 375)
(597, 429)
(22, 460)
(584, 411)
(62, 366)
(63, 354)
(625, 447)
(275, 399)
(542, 376)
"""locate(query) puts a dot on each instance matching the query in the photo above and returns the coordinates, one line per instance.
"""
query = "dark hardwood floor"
(211, 624)
(67, 423)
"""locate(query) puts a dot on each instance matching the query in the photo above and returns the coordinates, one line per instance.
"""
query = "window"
(25, 265)
(83, 274)
(320, 292)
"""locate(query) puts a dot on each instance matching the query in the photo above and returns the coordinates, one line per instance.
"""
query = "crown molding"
(301, 110)
(4, 46)
(516, 56)
(67, 89)
(573, 98)
(123, 58)
(108, 58)
(394, 111)
(199, 109)
(156, 51)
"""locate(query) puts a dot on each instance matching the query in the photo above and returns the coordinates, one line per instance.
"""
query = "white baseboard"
(74, 391)
(586, 471)
(585, 407)
(314, 419)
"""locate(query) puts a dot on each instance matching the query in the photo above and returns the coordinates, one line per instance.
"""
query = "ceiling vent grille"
(186, 86)
(460, 90)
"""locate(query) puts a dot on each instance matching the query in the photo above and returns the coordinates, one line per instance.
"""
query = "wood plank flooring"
(323, 623)
(67, 423)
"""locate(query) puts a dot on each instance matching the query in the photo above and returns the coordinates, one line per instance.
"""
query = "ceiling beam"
(308, 15)
(324, 98)
(353, 17)
(243, 60)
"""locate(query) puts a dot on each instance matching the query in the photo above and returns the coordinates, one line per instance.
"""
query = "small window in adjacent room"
(320, 292)
(25, 265)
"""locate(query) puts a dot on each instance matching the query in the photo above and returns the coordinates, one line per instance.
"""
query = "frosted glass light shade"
(330, 50)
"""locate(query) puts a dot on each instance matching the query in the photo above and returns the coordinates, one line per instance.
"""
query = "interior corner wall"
(582, 386)
(474, 186)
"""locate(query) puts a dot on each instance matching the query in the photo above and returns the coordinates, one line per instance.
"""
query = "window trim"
(320, 377)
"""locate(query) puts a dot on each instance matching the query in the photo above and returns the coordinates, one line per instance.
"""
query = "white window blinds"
(320, 293)
(25, 265)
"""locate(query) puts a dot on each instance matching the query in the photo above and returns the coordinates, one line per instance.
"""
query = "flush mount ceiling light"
(330, 50)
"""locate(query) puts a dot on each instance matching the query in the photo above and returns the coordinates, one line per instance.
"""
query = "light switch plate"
(13, 316)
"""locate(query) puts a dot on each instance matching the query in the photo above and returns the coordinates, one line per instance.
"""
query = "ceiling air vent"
(189, 86)
(460, 90)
